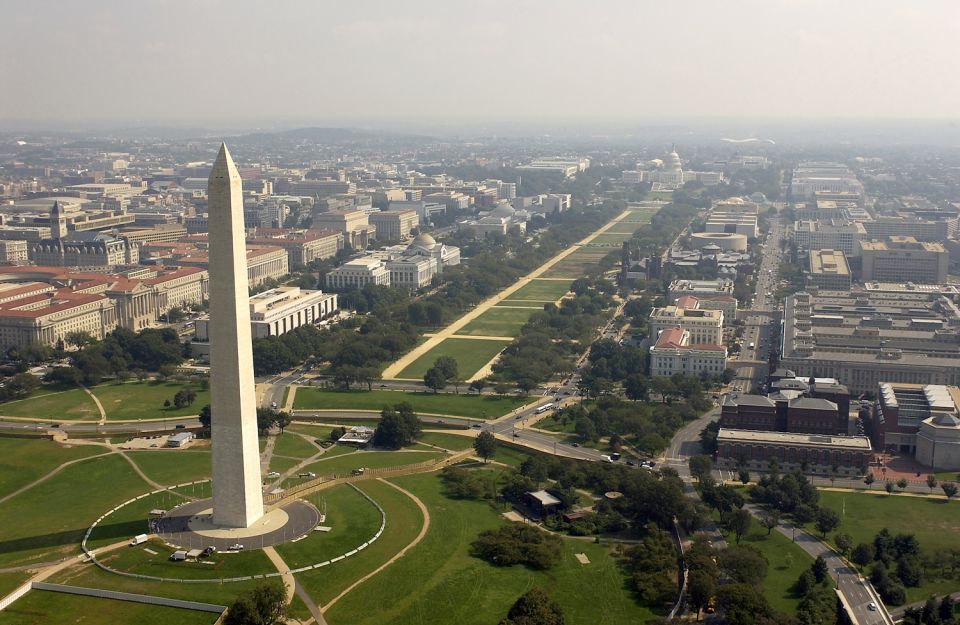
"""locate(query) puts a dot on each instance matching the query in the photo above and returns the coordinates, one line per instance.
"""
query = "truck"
(139, 539)
(606, 458)
(178, 556)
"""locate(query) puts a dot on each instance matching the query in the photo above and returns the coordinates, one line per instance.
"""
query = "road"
(751, 365)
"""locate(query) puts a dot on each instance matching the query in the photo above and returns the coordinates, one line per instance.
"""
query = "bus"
(542, 409)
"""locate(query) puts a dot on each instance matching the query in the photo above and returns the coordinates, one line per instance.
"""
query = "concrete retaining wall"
(126, 596)
(16, 594)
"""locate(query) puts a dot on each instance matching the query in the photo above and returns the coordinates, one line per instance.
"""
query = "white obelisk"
(237, 498)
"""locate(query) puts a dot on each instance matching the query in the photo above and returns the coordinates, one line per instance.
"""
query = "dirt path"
(46, 477)
(285, 575)
(267, 454)
(143, 476)
(391, 372)
(291, 395)
(96, 400)
(400, 554)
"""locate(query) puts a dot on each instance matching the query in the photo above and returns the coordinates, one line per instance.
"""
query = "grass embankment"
(452, 404)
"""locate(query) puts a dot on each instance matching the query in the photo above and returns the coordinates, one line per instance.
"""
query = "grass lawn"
(447, 441)
(282, 464)
(471, 355)
(174, 466)
(541, 291)
(292, 445)
(47, 522)
(404, 521)
(130, 520)
(439, 582)
(321, 432)
(462, 405)
(513, 456)
(610, 239)
(24, 460)
(498, 322)
(353, 519)
(11, 581)
(138, 560)
(57, 608)
(144, 400)
(577, 264)
(935, 523)
(345, 463)
(786, 562)
(53, 404)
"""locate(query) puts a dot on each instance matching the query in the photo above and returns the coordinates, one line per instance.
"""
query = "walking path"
(136, 469)
(400, 554)
(267, 454)
(285, 575)
(96, 400)
(46, 477)
(391, 372)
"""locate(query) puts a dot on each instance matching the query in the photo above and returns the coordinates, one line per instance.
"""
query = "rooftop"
(852, 443)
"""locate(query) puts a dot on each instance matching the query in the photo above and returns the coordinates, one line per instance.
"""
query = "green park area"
(471, 356)
(578, 264)
(453, 442)
(540, 291)
(173, 466)
(128, 401)
(452, 404)
(345, 463)
(24, 460)
(53, 403)
(144, 400)
(934, 522)
(440, 582)
(55, 608)
(610, 239)
(500, 321)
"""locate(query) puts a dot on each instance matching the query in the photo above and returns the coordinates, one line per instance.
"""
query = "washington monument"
(237, 498)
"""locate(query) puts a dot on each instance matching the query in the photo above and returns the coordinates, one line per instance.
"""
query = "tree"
(863, 554)
(448, 367)
(820, 569)
(744, 475)
(205, 417)
(739, 522)
(337, 433)
(827, 520)
(264, 605)
(770, 520)
(902, 484)
(700, 466)
(949, 489)
(889, 486)
(701, 587)
(398, 427)
(869, 480)
(743, 564)
(931, 482)
(743, 604)
(844, 543)
(534, 607)
(479, 384)
(485, 444)
(434, 379)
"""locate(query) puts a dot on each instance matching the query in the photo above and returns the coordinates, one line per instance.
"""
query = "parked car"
(236, 547)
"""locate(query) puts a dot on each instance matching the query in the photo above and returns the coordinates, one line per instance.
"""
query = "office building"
(810, 177)
(710, 295)
(354, 224)
(866, 338)
(13, 252)
(904, 259)
(394, 225)
(828, 269)
(836, 234)
(920, 420)
(278, 311)
(673, 353)
(358, 273)
(881, 227)
(815, 453)
(302, 245)
(704, 326)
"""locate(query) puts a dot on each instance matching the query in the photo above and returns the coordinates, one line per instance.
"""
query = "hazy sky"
(324, 62)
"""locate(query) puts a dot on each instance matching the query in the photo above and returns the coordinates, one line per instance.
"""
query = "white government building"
(413, 266)
(278, 311)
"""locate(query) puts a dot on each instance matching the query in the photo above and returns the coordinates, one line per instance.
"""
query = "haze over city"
(256, 64)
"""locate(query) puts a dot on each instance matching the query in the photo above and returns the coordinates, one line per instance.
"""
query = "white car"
(872, 606)
(236, 547)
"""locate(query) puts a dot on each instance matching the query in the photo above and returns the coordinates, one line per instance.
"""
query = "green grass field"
(454, 442)
(294, 446)
(353, 519)
(439, 582)
(55, 608)
(24, 460)
(144, 400)
(935, 523)
(403, 524)
(786, 561)
(471, 355)
(609, 239)
(138, 560)
(499, 322)
(53, 404)
(173, 466)
(462, 405)
(344, 463)
(540, 291)
(578, 263)
(47, 522)
(10, 582)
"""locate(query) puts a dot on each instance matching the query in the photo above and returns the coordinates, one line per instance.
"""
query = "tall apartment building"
(904, 259)
(394, 225)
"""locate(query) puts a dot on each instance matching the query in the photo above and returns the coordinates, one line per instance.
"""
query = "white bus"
(542, 409)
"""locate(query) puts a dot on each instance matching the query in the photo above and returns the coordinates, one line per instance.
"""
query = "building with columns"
(278, 311)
